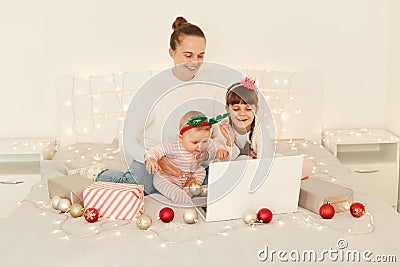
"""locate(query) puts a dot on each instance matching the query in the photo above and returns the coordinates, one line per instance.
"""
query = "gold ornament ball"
(143, 222)
(195, 188)
(54, 201)
(76, 210)
(190, 216)
(249, 217)
(204, 190)
(64, 204)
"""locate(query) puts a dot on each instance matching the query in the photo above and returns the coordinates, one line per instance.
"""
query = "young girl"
(185, 153)
(241, 133)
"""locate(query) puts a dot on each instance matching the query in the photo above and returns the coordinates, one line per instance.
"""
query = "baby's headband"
(202, 120)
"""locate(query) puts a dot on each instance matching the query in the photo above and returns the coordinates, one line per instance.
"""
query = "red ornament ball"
(91, 215)
(327, 211)
(166, 214)
(357, 209)
(264, 215)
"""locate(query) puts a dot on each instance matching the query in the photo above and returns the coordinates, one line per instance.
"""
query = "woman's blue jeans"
(137, 174)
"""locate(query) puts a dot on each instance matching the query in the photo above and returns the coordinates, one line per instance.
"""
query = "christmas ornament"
(249, 217)
(166, 214)
(76, 210)
(190, 216)
(204, 190)
(91, 215)
(195, 188)
(327, 211)
(357, 209)
(143, 222)
(54, 201)
(264, 215)
(63, 205)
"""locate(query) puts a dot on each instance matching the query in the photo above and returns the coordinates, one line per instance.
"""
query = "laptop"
(236, 186)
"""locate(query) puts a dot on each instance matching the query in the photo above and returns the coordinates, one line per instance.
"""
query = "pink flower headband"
(249, 83)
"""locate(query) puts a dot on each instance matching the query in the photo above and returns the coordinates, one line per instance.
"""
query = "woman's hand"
(152, 166)
(169, 168)
(227, 132)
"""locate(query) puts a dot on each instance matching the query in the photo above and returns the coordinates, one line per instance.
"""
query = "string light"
(92, 89)
(279, 89)
(363, 132)
(88, 89)
(118, 227)
(36, 144)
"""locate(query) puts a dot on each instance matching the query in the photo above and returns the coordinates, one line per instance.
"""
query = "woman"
(187, 50)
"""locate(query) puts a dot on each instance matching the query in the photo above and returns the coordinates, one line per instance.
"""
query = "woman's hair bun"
(179, 22)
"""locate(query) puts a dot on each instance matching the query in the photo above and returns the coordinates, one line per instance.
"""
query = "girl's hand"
(222, 153)
(227, 132)
(169, 168)
(253, 154)
(152, 166)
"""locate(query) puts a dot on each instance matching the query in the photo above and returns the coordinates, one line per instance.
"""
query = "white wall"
(393, 96)
(42, 40)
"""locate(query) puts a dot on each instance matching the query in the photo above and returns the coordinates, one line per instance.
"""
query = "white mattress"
(37, 235)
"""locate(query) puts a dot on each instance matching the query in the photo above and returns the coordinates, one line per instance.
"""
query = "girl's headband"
(202, 120)
(248, 83)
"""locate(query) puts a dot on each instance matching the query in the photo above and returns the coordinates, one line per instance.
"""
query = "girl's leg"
(171, 191)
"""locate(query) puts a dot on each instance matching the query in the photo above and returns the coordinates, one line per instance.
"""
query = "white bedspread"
(37, 235)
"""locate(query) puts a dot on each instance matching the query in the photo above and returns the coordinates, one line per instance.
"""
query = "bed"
(37, 235)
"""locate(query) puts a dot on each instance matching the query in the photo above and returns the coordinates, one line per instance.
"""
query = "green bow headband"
(202, 120)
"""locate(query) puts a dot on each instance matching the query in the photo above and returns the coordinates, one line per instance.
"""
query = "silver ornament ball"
(143, 222)
(204, 190)
(190, 216)
(249, 217)
(63, 205)
(195, 188)
(54, 201)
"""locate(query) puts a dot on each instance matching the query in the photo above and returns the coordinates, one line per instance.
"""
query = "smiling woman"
(187, 50)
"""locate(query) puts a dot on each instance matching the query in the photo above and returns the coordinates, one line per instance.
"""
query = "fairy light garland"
(358, 133)
(272, 91)
(120, 227)
(116, 227)
(34, 145)
(279, 95)
(92, 119)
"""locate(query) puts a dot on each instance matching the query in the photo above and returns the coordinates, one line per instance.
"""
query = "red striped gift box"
(115, 200)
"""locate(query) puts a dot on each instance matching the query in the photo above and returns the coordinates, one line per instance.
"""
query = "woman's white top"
(155, 111)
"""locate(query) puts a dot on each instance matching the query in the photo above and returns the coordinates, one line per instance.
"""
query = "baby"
(187, 151)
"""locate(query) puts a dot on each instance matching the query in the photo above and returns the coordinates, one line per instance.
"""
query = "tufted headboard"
(92, 108)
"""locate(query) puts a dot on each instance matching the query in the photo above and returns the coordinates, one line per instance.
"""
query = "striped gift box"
(115, 200)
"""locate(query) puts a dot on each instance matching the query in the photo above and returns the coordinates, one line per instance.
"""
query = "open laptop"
(236, 186)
